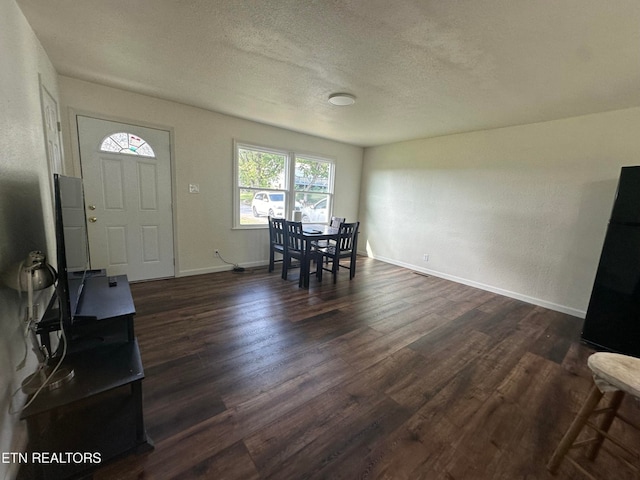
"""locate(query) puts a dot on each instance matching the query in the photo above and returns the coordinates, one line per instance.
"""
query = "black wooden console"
(100, 409)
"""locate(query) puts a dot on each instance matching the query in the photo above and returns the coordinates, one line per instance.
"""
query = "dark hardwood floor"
(393, 375)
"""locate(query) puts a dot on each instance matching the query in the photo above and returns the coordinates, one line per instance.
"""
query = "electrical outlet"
(425, 257)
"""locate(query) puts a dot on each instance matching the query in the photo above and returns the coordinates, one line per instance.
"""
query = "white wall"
(521, 210)
(203, 146)
(26, 212)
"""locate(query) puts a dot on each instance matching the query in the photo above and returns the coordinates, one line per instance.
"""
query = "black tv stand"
(100, 409)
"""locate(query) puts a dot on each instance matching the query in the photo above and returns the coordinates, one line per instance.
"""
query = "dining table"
(319, 231)
(312, 232)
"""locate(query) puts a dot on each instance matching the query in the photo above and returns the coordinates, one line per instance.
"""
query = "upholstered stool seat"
(615, 373)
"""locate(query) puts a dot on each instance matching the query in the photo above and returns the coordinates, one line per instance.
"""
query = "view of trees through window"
(312, 180)
(265, 186)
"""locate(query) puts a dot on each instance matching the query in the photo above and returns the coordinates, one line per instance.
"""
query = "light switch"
(194, 188)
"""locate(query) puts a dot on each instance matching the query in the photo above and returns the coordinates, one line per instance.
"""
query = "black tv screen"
(72, 246)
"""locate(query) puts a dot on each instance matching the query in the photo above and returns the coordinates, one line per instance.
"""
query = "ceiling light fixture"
(342, 99)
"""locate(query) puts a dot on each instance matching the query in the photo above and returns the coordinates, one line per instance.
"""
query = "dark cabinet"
(613, 316)
(98, 414)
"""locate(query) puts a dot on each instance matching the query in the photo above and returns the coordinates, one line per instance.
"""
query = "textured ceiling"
(419, 68)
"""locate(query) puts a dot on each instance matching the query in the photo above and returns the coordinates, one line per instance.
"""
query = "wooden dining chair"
(276, 241)
(346, 246)
(335, 223)
(296, 246)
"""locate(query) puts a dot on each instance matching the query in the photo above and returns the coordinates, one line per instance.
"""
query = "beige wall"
(203, 154)
(521, 210)
(26, 212)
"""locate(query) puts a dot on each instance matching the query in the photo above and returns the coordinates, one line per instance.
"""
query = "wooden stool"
(615, 373)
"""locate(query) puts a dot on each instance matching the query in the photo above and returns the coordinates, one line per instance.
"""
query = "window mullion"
(291, 191)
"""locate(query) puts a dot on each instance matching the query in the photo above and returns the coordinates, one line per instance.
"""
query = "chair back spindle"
(276, 230)
(276, 240)
(346, 246)
(294, 239)
(295, 246)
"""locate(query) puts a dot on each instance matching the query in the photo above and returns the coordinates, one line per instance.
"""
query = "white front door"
(127, 180)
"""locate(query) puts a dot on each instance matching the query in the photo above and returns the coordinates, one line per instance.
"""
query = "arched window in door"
(128, 143)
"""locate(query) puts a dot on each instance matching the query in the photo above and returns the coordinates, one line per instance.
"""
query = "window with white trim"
(278, 183)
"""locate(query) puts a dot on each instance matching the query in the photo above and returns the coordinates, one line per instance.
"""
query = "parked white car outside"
(269, 203)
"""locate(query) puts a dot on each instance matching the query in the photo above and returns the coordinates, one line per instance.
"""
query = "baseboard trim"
(490, 288)
(221, 268)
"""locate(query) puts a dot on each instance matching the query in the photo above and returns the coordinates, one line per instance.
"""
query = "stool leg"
(574, 430)
(605, 423)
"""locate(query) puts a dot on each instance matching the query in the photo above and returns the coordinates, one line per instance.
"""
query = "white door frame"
(54, 167)
(77, 166)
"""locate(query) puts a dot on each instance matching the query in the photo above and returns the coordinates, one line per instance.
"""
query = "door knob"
(92, 207)
(93, 219)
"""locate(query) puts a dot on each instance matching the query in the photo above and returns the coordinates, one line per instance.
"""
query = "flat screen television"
(72, 244)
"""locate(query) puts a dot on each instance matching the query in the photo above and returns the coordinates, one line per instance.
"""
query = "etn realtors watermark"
(51, 457)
